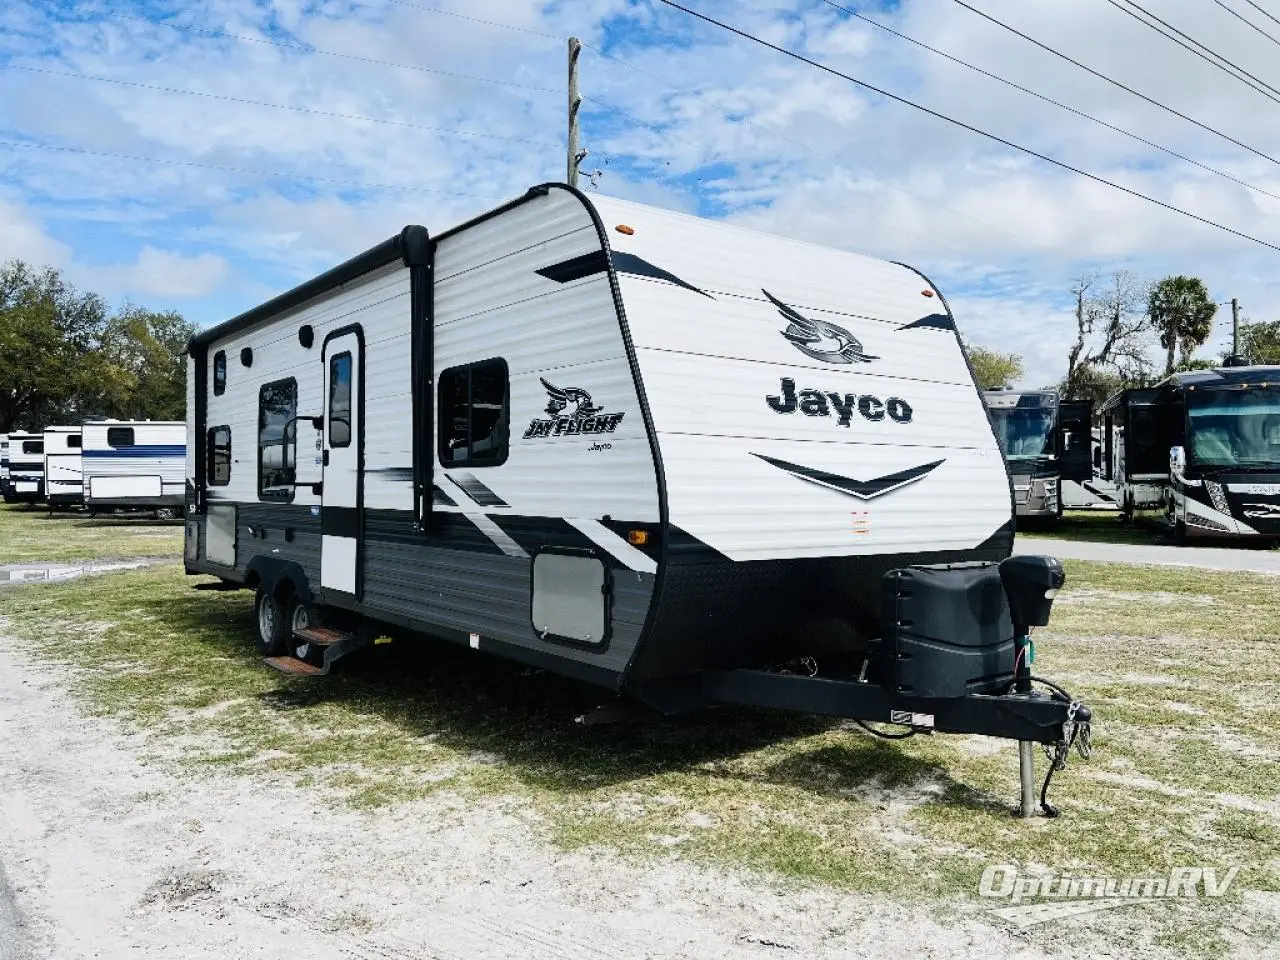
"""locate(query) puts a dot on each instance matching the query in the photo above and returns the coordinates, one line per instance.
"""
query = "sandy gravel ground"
(102, 856)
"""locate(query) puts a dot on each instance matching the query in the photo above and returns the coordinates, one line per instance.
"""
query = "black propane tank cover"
(306, 336)
(246, 357)
(1031, 583)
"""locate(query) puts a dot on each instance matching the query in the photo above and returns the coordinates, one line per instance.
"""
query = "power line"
(932, 204)
(275, 106)
(1056, 103)
(463, 16)
(966, 126)
(31, 145)
(1169, 35)
(1117, 83)
(1247, 22)
(308, 48)
(1227, 67)
(1262, 11)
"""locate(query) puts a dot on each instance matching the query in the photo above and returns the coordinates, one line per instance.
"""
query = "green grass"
(30, 534)
(1094, 526)
(1179, 665)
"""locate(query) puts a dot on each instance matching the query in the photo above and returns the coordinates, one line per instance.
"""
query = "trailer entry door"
(341, 513)
(1075, 440)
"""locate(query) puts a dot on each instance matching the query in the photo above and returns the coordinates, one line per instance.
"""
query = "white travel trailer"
(26, 468)
(63, 470)
(649, 451)
(135, 465)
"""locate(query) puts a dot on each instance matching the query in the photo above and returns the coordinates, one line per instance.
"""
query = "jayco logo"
(571, 413)
(815, 403)
(818, 338)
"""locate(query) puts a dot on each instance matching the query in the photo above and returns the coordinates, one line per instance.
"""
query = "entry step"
(293, 666)
(321, 636)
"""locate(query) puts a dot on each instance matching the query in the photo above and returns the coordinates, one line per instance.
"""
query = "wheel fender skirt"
(272, 570)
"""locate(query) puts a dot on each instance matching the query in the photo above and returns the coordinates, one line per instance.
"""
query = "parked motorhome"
(1046, 442)
(26, 468)
(4, 464)
(1200, 451)
(656, 453)
(63, 471)
(135, 465)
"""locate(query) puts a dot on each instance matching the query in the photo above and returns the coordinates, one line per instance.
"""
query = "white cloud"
(22, 237)
(163, 274)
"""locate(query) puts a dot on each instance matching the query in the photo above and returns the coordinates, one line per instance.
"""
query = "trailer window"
(277, 439)
(219, 458)
(340, 400)
(33, 446)
(120, 436)
(474, 414)
(73, 442)
(220, 373)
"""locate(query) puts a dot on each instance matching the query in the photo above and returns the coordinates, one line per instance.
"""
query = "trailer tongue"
(956, 659)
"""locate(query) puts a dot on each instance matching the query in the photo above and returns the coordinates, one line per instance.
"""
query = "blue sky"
(205, 156)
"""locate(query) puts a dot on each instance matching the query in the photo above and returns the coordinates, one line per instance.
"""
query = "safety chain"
(1080, 734)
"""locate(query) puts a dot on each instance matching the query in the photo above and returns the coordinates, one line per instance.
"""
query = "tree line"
(1119, 318)
(67, 357)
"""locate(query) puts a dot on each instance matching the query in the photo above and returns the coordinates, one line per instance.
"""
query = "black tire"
(273, 627)
(165, 513)
(302, 614)
(1180, 533)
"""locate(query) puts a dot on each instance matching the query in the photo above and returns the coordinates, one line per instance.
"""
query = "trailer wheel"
(301, 616)
(273, 627)
(165, 513)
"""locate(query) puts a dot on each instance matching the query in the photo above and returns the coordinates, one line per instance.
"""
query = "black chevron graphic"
(862, 489)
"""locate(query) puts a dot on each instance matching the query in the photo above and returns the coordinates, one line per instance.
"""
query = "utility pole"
(575, 101)
(1235, 326)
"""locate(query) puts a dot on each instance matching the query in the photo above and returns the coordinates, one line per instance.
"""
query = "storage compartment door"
(570, 598)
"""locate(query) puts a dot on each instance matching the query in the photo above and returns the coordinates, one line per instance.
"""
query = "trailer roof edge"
(411, 246)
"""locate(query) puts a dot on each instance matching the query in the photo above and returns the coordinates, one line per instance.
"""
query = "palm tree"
(1180, 308)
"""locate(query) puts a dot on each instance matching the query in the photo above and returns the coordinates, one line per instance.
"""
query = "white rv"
(26, 468)
(135, 465)
(63, 472)
(646, 450)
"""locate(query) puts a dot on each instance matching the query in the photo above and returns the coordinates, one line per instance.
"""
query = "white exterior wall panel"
(711, 357)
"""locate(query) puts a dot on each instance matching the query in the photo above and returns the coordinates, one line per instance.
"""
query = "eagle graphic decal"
(818, 338)
(570, 401)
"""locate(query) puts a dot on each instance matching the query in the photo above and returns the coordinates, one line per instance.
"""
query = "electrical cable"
(1247, 21)
(463, 16)
(932, 204)
(308, 48)
(275, 106)
(966, 126)
(882, 735)
(1056, 103)
(1116, 83)
(1262, 11)
(1226, 66)
(22, 144)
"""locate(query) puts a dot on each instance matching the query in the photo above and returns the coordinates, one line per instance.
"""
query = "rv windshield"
(1234, 428)
(1024, 432)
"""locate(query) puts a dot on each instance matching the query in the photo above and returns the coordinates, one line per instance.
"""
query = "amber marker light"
(623, 228)
(637, 538)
